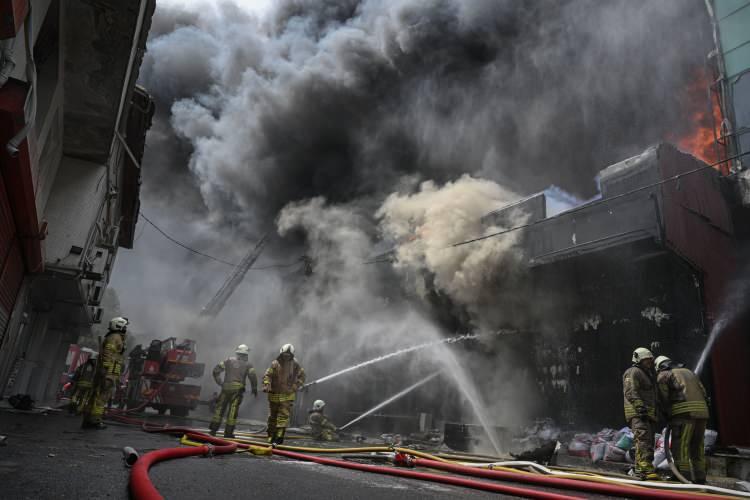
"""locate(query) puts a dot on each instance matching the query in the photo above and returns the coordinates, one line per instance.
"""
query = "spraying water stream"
(459, 377)
(735, 304)
(393, 398)
(452, 340)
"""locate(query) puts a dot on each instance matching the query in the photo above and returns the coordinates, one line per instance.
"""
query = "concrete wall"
(72, 209)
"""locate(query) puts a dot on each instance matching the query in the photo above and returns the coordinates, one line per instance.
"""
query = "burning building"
(649, 263)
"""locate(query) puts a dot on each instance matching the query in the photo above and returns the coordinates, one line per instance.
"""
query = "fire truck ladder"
(217, 303)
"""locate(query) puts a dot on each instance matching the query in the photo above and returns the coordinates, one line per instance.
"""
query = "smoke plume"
(343, 123)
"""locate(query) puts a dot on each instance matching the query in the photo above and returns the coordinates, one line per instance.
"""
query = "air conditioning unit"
(96, 314)
(96, 294)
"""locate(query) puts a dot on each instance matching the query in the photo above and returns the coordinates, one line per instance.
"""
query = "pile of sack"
(617, 446)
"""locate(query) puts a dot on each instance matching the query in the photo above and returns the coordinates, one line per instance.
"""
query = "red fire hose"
(556, 482)
(457, 481)
(141, 486)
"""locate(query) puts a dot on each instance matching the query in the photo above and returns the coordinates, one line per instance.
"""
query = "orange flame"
(700, 140)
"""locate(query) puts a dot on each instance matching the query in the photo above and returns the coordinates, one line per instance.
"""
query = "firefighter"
(683, 399)
(281, 381)
(83, 378)
(639, 391)
(236, 370)
(322, 428)
(107, 374)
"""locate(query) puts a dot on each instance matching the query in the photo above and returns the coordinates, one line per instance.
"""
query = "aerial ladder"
(217, 303)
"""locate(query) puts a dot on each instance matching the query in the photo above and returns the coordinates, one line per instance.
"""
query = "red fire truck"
(156, 377)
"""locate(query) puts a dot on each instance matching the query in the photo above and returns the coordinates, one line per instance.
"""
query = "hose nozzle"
(129, 455)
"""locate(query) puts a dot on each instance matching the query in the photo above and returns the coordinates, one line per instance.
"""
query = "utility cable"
(197, 252)
(597, 202)
(179, 243)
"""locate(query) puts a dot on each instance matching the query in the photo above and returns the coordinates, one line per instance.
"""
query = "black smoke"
(345, 98)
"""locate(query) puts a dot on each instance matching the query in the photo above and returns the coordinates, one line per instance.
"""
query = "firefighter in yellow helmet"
(281, 381)
(107, 374)
(236, 372)
(683, 398)
(639, 391)
(321, 428)
(83, 378)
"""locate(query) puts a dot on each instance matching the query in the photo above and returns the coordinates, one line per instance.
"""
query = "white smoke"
(427, 223)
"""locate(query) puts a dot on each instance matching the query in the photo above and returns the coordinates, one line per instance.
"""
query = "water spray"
(452, 340)
(735, 304)
(717, 328)
(392, 399)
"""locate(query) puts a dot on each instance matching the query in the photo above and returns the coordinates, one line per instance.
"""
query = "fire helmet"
(287, 348)
(640, 354)
(662, 362)
(118, 324)
(242, 349)
(319, 405)
(94, 355)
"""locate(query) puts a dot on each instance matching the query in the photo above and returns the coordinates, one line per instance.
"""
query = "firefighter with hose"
(236, 371)
(281, 382)
(322, 429)
(639, 392)
(107, 373)
(683, 399)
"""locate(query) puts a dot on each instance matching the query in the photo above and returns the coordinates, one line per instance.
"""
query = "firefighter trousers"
(643, 436)
(93, 409)
(687, 447)
(279, 410)
(228, 399)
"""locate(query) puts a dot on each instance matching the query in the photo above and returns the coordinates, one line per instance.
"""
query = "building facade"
(69, 182)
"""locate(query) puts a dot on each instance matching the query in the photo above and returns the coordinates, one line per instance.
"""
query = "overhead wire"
(198, 252)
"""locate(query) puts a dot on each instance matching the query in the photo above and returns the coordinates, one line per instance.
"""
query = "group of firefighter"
(657, 389)
(95, 380)
(281, 382)
(653, 389)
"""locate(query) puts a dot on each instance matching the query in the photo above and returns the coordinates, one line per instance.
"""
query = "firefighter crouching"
(107, 374)
(83, 380)
(322, 429)
(281, 381)
(236, 371)
(683, 399)
(639, 391)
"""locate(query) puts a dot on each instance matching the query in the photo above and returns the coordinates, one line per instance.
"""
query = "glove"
(642, 411)
(266, 388)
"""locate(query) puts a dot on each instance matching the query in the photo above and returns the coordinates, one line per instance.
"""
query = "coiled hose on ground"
(505, 471)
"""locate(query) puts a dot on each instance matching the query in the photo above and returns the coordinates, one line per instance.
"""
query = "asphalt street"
(49, 456)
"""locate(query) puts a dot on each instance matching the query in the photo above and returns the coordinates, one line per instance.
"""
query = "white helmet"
(662, 360)
(242, 349)
(94, 355)
(642, 353)
(118, 324)
(318, 405)
(287, 348)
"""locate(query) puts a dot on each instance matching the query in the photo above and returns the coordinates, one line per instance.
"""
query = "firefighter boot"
(212, 428)
(229, 432)
(279, 437)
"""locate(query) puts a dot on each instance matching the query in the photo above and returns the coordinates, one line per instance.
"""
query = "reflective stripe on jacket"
(111, 355)
(681, 391)
(236, 371)
(284, 376)
(639, 391)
